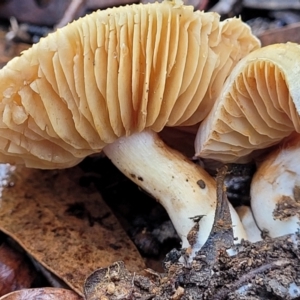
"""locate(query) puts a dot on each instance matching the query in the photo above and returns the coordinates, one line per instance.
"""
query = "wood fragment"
(221, 235)
(289, 33)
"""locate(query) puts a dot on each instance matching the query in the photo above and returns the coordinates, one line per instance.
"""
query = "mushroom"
(275, 189)
(112, 79)
(258, 107)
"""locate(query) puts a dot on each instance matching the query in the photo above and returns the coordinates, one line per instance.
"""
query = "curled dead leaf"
(42, 294)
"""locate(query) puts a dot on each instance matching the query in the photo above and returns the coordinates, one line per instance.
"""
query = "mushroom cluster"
(112, 79)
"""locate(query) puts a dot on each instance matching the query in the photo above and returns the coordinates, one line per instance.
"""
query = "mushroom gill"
(258, 106)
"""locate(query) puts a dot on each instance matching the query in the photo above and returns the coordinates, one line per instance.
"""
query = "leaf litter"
(67, 228)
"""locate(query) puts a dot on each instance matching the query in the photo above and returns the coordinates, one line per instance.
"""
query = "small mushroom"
(108, 82)
(254, 234)
(275, 189)
(258, 106)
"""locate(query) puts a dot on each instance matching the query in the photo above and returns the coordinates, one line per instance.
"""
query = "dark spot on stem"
(201, 183)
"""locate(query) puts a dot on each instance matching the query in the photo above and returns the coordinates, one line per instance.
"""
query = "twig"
(223, 293)
(221, 235)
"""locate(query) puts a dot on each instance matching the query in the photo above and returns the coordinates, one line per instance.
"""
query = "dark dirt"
(269, 269)
(265, 270)
(287, 207)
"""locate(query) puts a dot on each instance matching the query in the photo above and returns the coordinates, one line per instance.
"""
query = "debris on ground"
(268, 269)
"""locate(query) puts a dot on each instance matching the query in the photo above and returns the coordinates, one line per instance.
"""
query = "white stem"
(275, 190)
(183, 188)
(247, 219)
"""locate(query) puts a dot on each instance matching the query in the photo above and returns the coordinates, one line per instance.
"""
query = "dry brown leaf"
(15, 273)
(66, 227)
(42, 294)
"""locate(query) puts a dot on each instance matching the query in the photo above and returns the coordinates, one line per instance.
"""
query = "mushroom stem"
(275, 189)
(253, 232)
(183, 188)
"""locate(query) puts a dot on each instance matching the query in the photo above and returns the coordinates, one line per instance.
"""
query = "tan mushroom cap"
(113, 73)
(258, 106)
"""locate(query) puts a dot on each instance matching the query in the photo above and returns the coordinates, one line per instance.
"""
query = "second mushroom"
(258, 112)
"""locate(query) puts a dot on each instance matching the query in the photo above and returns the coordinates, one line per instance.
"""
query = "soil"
(269, 269)
(265, 270)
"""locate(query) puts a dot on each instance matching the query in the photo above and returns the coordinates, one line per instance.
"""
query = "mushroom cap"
(258, 106)
(113, 73)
